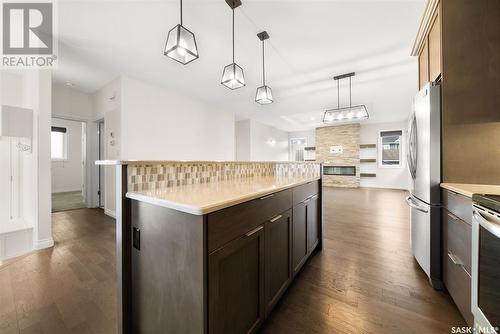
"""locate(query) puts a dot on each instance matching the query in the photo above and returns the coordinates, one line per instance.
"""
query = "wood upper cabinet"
(278, 235)
(299, 239)
(427, 45)
(434, 42)
(423, 66)
(236, 285)
(313, 219)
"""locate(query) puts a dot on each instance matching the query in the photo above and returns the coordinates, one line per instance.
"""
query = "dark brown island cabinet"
(221, 272)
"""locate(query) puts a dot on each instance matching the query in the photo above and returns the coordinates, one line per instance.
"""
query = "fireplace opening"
(339, 170)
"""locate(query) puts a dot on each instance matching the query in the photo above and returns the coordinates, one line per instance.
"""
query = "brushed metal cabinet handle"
(275, 218)
(255, 230)
(268, 196)
(455, 259)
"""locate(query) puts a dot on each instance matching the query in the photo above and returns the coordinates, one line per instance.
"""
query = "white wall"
(106, 104)
(268, 143)
(259, 142)
(144, 121)
(242, 139)
(67, 174)
(69, 103)
(160, 124)
(396, 178)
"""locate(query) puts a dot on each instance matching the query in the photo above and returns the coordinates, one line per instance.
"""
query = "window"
(297, 149)
(58, 143)
(390, 148)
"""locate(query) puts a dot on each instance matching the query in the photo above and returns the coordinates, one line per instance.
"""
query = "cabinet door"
(236, 285)
(435, 48)
(278, 239)
(423, 66)
(299, 236)
(313, 223)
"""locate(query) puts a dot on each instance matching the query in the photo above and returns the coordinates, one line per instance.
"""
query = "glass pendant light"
(345, 114)
(264, 94)
(232, 76)
(181, 44)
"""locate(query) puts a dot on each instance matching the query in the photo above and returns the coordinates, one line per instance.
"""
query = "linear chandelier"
(344, 114)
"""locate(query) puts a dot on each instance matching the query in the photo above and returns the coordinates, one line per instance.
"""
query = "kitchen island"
(211, 246)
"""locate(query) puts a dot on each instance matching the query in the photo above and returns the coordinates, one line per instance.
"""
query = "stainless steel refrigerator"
(424, 163)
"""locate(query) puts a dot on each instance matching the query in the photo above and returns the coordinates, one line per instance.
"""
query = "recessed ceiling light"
(69, 84)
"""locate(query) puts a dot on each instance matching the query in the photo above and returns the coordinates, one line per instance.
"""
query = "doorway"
(100, 155)
(68, 164)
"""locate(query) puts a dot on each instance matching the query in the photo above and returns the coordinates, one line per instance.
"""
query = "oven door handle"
(410, 202)
(492, 227)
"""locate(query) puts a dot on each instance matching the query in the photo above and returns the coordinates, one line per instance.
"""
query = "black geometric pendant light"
(264, 95)
(232, 76)
(181, 44)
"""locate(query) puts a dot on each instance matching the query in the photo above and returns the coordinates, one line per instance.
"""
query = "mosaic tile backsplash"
(174, 174)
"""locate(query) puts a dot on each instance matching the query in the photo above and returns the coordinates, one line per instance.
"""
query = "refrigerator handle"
(410, 202)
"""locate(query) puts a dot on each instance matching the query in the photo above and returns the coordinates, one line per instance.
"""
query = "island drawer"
(304, 191)
(228, 224)
(458, 239)
(459, 205)
(458, 283)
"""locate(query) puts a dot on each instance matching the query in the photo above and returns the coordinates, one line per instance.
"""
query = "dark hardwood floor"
(70, 288)
(364, 281)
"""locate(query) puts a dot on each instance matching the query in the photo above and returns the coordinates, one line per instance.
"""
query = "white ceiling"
(310, 42)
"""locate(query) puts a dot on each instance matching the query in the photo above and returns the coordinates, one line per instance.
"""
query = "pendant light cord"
(338, 94)
(263, 65)
(233, 35)
(350, 98)
(181, 12)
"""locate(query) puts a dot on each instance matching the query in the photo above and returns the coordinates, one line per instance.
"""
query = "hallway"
(364, 281)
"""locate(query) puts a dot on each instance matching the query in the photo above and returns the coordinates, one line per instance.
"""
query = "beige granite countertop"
(470, 189)
(200, 199)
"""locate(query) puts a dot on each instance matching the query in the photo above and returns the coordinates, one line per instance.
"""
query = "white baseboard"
(110, 213)
(44, 243)
(383, 187)
(65, 190)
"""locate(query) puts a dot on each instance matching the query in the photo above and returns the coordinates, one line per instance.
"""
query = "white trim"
(385, 187)
(110, 213)
(66, 190)
(44, 243)
(401, 149)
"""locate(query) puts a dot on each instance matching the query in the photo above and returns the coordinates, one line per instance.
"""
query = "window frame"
(290, 152)
(401, 149)
(65, 146)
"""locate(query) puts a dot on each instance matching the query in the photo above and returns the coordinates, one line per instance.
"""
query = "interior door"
(101, 168)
